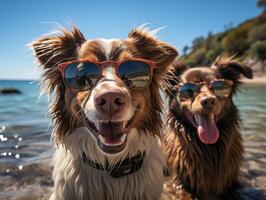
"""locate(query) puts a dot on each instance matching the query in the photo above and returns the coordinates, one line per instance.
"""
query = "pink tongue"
(207, 129)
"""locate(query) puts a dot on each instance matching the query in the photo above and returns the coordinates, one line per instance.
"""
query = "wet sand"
(259, 80)
(253, 169)
(34, 182)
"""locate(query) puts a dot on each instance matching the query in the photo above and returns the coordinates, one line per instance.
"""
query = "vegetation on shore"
(247, 41)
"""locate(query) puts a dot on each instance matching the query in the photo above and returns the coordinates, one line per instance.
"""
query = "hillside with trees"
(247, 42)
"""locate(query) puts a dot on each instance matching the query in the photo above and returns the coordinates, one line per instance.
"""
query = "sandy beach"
(258, 80)
(34, 182)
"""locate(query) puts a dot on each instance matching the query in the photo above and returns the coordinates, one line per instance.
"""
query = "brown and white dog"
(106, 134)
(203, 142)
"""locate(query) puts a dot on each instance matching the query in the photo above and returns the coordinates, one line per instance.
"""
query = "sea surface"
(25, 147)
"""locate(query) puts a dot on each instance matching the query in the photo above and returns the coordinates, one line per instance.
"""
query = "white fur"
(106, 45)
(76, 180)
(109, 73)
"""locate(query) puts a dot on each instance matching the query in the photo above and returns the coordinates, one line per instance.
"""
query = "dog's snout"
(110, 102)
(208, 102)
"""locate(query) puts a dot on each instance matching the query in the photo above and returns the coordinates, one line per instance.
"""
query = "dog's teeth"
(123, 137)
(121, 140)
(97, 125)
(102, 139)
(124, 124)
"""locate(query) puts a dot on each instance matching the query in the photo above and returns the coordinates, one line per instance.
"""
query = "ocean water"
(25, 149)
(24, 124)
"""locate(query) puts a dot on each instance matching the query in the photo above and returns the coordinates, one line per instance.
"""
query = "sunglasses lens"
(81, 76)
(221, 88)
(188, 91)
(136, 74)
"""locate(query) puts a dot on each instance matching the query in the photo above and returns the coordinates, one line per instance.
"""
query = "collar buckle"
(128, 166)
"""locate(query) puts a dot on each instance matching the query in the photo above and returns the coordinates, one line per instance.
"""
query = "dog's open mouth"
(208, 132)
(111, 135)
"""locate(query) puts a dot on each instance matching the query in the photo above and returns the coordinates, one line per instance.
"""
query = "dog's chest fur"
(76, 180)
(207, 172)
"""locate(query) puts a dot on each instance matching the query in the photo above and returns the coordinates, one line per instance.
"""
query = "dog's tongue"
(207, 129)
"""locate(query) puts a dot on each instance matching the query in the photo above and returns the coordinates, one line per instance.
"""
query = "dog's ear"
(148, 47)
(54, 49)
(231, 69)
(51, 50)
(173, 77)
(143, 44)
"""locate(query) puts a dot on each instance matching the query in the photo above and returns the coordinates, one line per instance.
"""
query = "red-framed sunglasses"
(81, 75)
(220, 87)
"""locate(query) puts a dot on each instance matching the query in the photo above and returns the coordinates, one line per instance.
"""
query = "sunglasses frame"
(62, 67)
(200, 84)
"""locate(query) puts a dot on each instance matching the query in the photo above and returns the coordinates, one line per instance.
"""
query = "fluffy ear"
(173, 77)
(151, 48)
(51, 50)
(231, 69)
(148, 47)
(143, 44)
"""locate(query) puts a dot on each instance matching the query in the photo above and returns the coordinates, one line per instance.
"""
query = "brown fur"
(199, 170)
(71, 45)
(71, 129)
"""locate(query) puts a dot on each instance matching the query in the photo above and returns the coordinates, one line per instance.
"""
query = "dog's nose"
(110, 102)
(208, 102)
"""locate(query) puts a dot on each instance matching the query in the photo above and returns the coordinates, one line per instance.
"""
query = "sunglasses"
(188, 91)
(80, 75)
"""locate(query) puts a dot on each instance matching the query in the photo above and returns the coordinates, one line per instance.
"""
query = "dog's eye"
(188, 91)
(81, 76)
(136, 74)
(221, 88)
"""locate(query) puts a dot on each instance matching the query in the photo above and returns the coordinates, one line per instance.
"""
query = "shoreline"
(257, 80)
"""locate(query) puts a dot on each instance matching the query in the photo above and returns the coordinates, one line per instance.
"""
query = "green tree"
(257, 33)
(208, 41)
(262, 4)
(197, 58)
(197, 43)
(213, 53)
(236, 40)
(185, 50)
(258, 50)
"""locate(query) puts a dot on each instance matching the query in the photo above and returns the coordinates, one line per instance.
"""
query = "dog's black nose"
(110, 102)
(208, 102)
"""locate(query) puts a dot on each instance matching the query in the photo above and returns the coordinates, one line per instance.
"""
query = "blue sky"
(24, 20)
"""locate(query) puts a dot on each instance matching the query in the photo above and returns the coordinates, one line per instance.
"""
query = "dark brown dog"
(203, 143)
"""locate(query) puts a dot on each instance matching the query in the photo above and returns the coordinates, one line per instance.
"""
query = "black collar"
(123, 168)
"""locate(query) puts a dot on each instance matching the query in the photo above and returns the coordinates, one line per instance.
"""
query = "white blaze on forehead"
(109, 72)
(107, 45)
